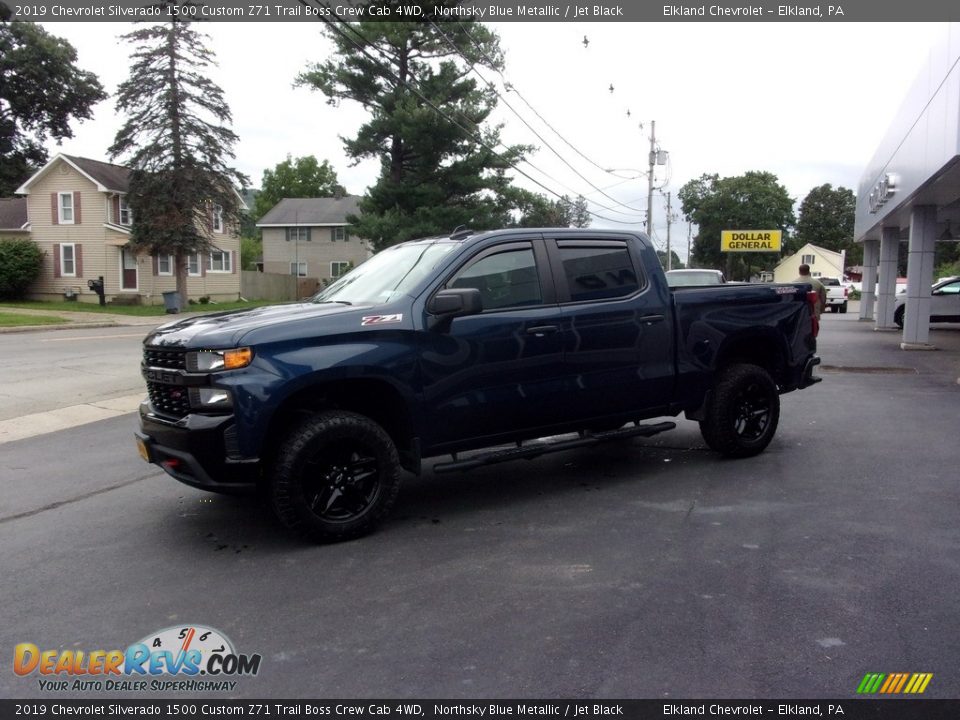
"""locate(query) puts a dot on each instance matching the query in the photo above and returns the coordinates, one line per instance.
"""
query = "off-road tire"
(742, 413)
(336, 477)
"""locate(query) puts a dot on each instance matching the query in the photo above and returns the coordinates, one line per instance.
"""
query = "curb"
(64, 326)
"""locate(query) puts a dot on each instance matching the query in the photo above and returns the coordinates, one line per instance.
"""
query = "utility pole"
(653, 161)
(669, 256)
(689, 233)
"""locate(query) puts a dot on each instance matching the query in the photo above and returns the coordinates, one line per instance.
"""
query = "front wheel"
(336, 476)
(742, 413)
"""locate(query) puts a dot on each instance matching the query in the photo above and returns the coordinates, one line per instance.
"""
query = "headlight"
(212, 360)
(210, 398)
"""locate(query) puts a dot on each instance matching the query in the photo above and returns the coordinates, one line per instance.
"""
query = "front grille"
(173, 400)
(167, 359)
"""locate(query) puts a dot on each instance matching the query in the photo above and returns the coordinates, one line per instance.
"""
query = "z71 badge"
(381, 319)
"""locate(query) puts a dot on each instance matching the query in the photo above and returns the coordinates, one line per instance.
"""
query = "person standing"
(818, 288)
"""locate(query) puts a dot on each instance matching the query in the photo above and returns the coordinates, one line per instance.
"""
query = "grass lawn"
(18, 320)
(139, 310)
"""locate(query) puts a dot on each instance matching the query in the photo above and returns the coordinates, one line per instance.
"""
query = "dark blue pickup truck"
(453, 344)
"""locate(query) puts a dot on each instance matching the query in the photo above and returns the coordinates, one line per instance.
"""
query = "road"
(42, 371)
(644, 569)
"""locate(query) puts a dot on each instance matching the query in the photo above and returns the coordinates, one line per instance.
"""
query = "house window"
(298, 234)
(68, 260)
(807, 259)
(126, 215)
(219, 261)
(65, 208)
(338, 268)
(193, 265)
(165, 265)
(339, 233)
(217, 219)
(298, 268)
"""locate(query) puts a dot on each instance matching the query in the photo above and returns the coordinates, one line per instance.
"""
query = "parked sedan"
(944, 302)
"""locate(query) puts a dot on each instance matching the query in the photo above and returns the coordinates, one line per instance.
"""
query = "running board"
(528, 452)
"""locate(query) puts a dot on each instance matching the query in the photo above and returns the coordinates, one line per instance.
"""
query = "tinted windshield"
(386, 275)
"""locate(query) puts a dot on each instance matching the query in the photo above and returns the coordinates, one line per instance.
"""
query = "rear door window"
(598, 271)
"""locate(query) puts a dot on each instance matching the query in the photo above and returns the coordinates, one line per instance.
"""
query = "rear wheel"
(843, 308)
(336, 476)
(742, 413)
(898, 316)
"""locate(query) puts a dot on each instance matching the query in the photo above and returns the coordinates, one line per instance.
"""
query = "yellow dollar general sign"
(750, 240)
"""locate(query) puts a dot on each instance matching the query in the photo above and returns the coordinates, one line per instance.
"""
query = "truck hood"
(227, 329)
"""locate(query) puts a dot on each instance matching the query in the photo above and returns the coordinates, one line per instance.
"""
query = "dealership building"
(910, 193)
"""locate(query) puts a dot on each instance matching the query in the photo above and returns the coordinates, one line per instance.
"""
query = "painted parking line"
(28, 426)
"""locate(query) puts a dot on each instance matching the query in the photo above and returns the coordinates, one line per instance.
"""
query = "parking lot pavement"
(641, 569)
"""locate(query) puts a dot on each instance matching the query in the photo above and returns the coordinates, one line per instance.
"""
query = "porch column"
(868, 286)
(923, 241)
(887, 285)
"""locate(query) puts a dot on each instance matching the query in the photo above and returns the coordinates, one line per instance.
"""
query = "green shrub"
(20, 263)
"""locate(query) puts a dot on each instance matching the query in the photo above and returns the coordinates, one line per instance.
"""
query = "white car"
(944, 302)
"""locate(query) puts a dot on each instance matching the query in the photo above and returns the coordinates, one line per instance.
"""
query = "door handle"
(651, 319)
(542, 330)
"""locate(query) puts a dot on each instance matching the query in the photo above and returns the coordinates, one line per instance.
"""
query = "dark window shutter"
(308, 234)
(116, 210)
(333, 234)
(56, 259)
(78, 260)
(156, 265)
(54, 211)
(233, 262)
(76, 208)
(287, 234)
(203, 260)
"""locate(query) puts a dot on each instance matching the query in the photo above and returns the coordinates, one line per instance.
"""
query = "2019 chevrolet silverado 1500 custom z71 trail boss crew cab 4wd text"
(448, 344)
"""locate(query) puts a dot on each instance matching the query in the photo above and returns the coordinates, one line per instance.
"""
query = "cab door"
(618, 350)
(500, 371)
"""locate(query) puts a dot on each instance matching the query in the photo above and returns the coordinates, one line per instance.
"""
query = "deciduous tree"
(752, 201)
(303, 177)
(826, 219)
(41, 91)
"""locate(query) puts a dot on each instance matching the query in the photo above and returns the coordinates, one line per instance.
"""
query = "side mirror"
(451, 303)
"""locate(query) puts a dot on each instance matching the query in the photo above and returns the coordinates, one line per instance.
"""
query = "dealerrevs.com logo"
(188, 658)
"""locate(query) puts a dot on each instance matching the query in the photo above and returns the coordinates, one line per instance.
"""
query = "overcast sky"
(808, 102)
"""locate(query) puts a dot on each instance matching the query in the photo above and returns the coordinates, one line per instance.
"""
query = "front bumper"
(198, 450)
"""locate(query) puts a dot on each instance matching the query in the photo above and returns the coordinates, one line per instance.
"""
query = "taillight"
(846, 291)
(814, 320)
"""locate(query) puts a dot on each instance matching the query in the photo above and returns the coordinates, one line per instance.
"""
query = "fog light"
(210, 398)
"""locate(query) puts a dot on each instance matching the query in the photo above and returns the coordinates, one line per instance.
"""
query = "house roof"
(815, 248)
(13, 213)
(106, 176)
(311, 211)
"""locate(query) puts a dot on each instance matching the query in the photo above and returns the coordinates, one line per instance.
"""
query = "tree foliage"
(439, 163)
(302, 177)
(752, 201)
(177, 143)
(20, 264)
(537, 210)
(41, 90)
(826, 219)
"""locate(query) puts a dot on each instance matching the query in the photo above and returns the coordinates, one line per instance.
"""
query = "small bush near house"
(20, 263)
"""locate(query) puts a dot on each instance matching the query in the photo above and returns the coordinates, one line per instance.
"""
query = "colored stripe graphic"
(894, 683)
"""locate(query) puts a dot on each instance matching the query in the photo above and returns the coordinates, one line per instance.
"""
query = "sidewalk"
(76, 320)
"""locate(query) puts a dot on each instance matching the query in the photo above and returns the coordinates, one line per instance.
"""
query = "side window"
(951, 289)
(505, 280)
(598, 272)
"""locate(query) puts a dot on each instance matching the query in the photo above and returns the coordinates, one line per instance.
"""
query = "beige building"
(822, 262)
(78, 215)
(310, 238)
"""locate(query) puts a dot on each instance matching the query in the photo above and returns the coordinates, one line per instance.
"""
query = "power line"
(522, 119)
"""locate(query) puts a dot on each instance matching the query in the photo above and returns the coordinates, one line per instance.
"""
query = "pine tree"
(440, 165)
(177, 143)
